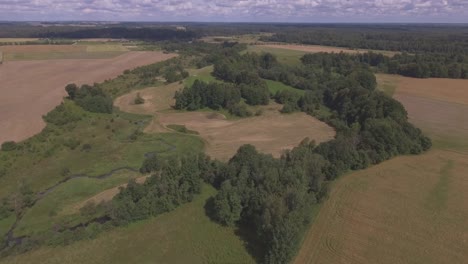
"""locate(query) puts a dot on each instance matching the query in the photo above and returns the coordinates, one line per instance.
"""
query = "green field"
(185, 235)
(289, 57)
(275, 86)
(203, 74)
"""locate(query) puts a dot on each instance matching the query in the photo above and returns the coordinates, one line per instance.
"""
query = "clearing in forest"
(31, 89)
(410, 209)
(271, 132)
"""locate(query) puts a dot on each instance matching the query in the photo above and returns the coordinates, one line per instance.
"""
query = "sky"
(361, 11)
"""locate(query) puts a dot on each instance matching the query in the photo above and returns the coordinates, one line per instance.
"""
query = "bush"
(9, 146)
(139, 99)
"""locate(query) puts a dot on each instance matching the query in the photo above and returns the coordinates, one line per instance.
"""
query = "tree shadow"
(246, 233)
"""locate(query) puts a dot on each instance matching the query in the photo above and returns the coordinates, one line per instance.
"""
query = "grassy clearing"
(185, 235)
(182, 129)
(275, 86)
(203, 74)
(387, 83)
(289, 57)
(110, 147)
(56, 207)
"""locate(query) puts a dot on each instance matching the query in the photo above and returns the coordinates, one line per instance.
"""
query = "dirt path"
(30, 89)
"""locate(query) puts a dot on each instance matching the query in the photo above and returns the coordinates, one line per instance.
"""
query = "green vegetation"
(187, 229)
(139, 99)
(275, 87)
(284, 56)
(182, 129)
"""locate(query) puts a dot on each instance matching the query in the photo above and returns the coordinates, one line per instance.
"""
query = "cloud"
(243, 10)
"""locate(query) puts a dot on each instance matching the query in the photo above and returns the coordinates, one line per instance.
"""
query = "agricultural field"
(27, 94)
(14, 40)
(410, 209)
(55, 52)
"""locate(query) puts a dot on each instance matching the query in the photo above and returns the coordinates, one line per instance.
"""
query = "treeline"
(90, 98)
(404, 38)
(418, 66)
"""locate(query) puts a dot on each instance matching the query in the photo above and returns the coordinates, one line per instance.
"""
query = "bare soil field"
(318, 48)
(272, 132)
(30, 89)
(407, 210)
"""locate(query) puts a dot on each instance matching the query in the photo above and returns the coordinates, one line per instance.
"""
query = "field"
(271, 132)
(30, 89)
(410, 209)
(185, 235)
(53, 52)
(13, 40)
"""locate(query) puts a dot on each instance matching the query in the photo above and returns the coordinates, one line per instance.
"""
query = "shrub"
(9, 146)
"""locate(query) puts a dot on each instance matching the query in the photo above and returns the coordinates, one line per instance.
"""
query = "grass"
(203, 74)
(89, 50)
(111, 147)
(57, 207)
(275, 86)
(387, 83)
(60, 55)
(289, 57)
(407, 210)
(182, 129)
(13, 40)
(185, 235)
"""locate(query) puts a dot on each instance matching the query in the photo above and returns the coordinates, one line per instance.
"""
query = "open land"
(31, 89)
(185, 235)
(271, 132)
(410, 209)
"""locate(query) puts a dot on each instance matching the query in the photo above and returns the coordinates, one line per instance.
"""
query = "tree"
(71, 89)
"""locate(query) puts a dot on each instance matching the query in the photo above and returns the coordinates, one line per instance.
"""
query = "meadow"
(185, 235)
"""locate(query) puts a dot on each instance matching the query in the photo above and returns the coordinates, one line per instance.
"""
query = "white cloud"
(243, 10)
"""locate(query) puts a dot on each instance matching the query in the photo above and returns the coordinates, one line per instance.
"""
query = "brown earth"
(30, 89)
(272, 132)
(319, 48)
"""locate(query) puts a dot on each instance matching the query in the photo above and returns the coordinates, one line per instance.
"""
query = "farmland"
(379, 215)
(30, 89)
